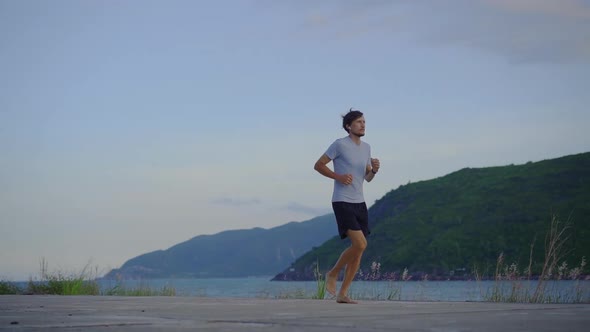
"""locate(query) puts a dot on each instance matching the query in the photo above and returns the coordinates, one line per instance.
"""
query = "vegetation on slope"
(448, 226)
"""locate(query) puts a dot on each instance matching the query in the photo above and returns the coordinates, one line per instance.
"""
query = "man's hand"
(375, 165)
(344, 178)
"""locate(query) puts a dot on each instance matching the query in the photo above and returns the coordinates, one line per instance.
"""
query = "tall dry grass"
(512, 285)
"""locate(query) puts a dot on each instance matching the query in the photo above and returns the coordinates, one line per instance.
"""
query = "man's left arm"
(372, 169)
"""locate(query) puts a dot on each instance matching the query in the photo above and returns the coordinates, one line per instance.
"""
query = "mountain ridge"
(232, 253)
(437, 227)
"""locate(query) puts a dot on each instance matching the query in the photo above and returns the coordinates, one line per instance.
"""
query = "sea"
(565, 291)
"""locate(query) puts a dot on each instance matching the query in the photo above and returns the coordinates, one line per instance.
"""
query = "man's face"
(357, 127)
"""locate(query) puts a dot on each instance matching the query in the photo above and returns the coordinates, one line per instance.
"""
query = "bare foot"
(345, 299)
(331, 284)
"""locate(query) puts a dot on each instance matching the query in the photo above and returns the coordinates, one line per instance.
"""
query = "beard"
(358, 134)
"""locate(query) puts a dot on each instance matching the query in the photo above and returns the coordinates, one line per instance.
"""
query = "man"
(352, 166)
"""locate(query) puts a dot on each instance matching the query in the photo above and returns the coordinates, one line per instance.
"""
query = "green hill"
(448, 225)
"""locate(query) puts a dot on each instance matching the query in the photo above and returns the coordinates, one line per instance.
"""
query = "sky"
(131, 126)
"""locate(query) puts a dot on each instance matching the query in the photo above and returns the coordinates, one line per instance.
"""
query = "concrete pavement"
(114, 313)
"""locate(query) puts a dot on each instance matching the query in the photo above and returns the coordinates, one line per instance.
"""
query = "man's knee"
(358, 240)
(364, 245)
(360, 246)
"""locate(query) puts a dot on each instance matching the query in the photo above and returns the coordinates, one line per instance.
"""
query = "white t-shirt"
(349, 158)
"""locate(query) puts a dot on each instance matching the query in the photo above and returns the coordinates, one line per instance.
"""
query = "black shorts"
(353, 216)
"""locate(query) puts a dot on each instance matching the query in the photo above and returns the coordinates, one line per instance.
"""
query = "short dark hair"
(349, 117)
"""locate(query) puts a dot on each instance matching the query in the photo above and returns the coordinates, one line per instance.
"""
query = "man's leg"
(351, 258)
(332, 276)
(359, 243)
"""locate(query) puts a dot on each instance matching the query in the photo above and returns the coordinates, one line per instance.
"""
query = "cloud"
(339, 20)
(231, 201)
(521, 31)
(308, 210)
(558, 9)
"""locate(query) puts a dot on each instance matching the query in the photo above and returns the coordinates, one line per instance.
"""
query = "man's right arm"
(322, 168)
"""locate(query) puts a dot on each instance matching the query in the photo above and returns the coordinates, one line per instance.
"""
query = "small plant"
(297, 294)
(59, 283)
(394, 292)
(405, 275)
(375, 271)
(511, 286)
(9, 288)
(320, 283)
(579, 293)
(141, 290)
(554, 241)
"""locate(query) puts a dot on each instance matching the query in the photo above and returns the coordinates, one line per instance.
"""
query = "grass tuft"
(321, 283)
(9, 288)
(81, 283)
(141, 290)
(59, 283)
(510, 285)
